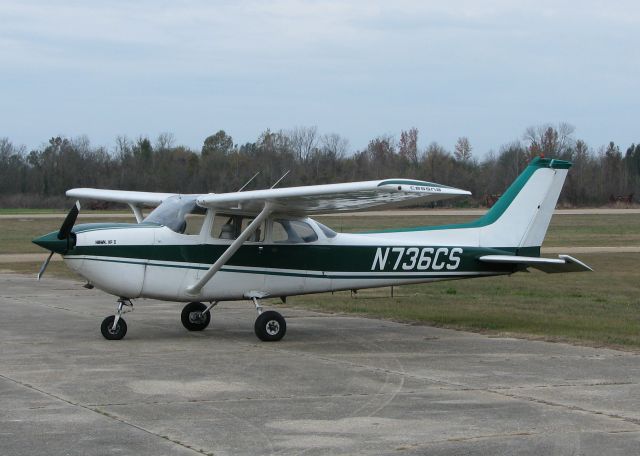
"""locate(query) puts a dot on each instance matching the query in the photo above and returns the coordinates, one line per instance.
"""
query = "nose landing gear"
(114, 327)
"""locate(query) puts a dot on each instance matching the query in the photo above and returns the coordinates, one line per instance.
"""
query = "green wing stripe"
(411, 182)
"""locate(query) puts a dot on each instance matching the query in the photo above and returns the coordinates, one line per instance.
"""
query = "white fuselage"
(156, 262)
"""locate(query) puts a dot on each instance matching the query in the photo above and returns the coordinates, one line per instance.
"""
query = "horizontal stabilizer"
(564, 263)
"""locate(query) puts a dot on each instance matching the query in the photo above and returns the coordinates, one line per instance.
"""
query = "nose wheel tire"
(192, 317)
(270, 326)
(109, 332)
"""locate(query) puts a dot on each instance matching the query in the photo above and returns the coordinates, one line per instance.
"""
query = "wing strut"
(195, 289)
(137, 212)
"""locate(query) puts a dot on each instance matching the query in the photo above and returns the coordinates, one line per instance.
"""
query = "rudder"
(520, 217)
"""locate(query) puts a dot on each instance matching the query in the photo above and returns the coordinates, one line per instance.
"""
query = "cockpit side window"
(226, 226)
(178, 213)
(194, 222)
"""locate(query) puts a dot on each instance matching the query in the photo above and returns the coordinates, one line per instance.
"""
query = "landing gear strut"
(196, 316)
(114, 327)
(270, 326)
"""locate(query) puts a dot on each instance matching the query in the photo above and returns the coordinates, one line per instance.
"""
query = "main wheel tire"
(270, 326)
(113, 334)
(192, 317)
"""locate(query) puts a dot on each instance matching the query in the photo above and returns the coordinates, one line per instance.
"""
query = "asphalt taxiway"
(334, 385)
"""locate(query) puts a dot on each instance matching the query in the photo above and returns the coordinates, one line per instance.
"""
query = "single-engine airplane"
(257, 244)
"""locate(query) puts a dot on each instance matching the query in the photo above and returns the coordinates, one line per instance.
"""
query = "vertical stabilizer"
(520, 218)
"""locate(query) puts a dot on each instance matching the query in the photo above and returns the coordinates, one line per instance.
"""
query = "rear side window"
(292, 232)
(328, 232)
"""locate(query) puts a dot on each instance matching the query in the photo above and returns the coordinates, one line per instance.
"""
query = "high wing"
(564, 263)
(132, 198)
(119, 196)
(322, 199)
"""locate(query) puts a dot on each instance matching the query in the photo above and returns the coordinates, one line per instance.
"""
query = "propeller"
(63, 233)
(44, 266)
(69, 221)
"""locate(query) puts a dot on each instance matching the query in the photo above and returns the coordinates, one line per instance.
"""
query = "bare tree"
(613, 170)
(382, 151)
(12, 164)
(165, 141)
(82, 144)
(548, 140)
(511, 160)
(6, 148)
(123, 146)
(335, 145)
(408, 147)
(436, 163)
(40, 177)
(463, 149)
(303, 141)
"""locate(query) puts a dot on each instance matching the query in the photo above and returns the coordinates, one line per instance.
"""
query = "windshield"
(173, 211)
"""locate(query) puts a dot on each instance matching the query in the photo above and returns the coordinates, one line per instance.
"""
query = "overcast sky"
(485, 70)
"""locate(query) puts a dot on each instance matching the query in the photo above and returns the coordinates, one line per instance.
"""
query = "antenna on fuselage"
(249, 181)
(283, 176)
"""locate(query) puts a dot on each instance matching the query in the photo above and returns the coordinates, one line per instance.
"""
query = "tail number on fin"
(415, 258)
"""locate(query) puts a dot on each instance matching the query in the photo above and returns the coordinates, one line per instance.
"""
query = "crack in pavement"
(105, 414)
(343, 395)
(251, 399)
(416, 446)
(614, 416)
(555, 385)
(460, 387)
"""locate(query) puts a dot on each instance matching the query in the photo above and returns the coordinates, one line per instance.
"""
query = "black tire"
(192, 317)
(118, 333)
(270, 326)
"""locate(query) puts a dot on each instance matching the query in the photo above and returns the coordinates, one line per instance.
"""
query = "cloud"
(359, 67)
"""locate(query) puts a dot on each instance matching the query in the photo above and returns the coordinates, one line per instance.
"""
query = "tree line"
(39, 177)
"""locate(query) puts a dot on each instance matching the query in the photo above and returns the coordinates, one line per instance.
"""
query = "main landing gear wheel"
(111, 333)
(270, 326)
(194, 317)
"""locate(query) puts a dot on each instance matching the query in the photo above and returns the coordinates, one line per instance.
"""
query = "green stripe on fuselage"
(310, 274)
(313, 257)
